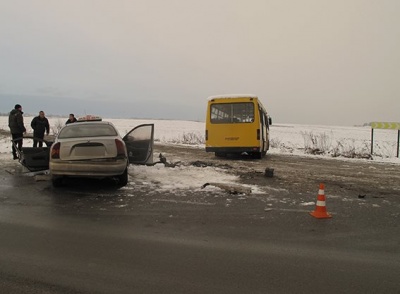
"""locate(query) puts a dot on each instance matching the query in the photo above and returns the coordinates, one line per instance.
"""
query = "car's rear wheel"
(123, 179)
(57, 181)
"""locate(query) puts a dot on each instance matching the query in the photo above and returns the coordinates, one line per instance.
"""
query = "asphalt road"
(90, 237)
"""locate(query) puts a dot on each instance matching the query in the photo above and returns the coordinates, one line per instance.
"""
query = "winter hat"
(17, 106)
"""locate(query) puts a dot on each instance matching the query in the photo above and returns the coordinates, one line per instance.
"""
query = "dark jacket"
(40, 126)
(16, 122)
(70, 122)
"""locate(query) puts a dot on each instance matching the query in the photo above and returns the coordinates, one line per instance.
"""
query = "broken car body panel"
(34, 158)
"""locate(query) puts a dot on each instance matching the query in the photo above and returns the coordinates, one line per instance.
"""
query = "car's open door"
(34, 158)
(139, 143)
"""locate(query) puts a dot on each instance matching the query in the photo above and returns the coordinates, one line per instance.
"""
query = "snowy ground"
(285, 138)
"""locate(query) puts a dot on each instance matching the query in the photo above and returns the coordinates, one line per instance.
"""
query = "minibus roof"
(233, 96)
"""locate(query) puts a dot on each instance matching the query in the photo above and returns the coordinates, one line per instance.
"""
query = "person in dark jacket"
(71, 119)
(40, 125)
(17, 128)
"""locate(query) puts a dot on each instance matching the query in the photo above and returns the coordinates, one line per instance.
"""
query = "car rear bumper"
(88, 168)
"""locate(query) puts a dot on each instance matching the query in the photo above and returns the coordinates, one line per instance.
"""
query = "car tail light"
(120, 148)
(55, 151)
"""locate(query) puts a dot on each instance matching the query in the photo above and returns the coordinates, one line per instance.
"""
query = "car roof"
(98, 122)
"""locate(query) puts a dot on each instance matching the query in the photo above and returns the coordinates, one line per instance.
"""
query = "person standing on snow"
(40, 125)
(17, 128)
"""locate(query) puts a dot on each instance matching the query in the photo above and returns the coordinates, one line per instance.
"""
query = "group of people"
(40, 125)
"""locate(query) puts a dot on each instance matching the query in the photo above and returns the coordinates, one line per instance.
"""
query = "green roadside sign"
(386, 125)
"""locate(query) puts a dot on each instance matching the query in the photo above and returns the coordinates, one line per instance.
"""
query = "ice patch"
(183, 202)
(121, 206)
(179, 178)
(307, 203)
(276, 189)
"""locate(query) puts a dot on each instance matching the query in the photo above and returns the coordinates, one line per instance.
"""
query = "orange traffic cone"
(320, 209)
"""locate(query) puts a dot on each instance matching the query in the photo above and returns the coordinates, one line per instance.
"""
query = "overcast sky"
(310, 61)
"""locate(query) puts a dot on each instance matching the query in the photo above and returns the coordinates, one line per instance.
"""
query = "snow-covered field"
(285, 138)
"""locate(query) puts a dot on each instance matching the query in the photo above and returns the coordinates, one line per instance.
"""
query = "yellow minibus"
(237, 124)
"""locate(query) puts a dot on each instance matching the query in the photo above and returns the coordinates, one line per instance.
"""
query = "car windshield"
(78, 130)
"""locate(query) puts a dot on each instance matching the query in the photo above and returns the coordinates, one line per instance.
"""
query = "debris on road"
(269, 172)
(230, 188)
(199, 163)
(164, 161)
